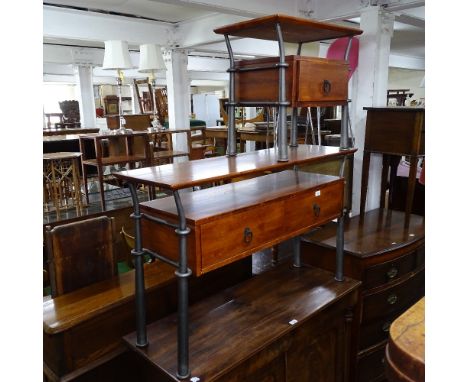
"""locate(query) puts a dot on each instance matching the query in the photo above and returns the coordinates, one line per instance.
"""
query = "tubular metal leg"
(293, 142)
(297, 252)
(282, 127)
(344, 140)
(182, 274)
(340, 249)
(232, 139)
(137, 252)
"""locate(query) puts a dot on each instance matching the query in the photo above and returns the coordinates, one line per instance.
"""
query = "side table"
(62, 186)
(393, 132)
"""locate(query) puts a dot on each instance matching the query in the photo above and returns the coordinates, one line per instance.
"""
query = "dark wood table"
(405, 354)
(67, 131)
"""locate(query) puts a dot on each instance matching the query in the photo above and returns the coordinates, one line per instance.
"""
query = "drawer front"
(371, 367)
(391, 270)
(322, 82)
(393, 299)
(316, 208)
(377, 331)
(240, 234)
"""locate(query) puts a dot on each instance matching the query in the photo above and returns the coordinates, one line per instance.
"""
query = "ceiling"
(408, 37)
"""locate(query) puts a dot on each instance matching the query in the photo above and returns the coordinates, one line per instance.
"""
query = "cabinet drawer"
(322, 81)
(308, 80)
(318, 208)
(391, 270)
(371, 367)
(240, 234)
(394, 298)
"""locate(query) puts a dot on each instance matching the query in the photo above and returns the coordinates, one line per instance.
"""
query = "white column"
(369, 88)
(85, 93)
(178, 95)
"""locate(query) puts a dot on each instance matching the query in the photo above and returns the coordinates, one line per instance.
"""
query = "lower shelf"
(248, 331)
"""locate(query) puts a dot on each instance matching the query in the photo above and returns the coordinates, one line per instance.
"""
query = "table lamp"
(117, 57)
(151, 59)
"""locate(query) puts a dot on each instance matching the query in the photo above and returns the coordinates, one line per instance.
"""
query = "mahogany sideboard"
(389, 260)
(286, 324)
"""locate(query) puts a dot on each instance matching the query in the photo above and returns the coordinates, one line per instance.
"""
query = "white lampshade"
(116, 55)
(151, 58)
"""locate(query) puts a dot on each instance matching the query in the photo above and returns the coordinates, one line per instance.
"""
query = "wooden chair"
(145, 98)
(199, 145)
(161, 105)
(80, 253)
(71, 114)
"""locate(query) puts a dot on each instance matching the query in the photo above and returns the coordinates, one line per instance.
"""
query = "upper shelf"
(294, 29)
(176, 176)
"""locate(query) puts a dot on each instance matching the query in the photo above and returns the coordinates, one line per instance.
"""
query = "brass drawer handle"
(316, 208)
(386, 326)
(326, 86)
(392, 272)
(392, 299)
(248, 235)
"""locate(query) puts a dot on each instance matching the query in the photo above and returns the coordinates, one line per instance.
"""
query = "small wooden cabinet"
(389, 260)
(309, 81)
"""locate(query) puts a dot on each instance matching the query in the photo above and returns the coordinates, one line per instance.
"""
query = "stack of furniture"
(289, 323)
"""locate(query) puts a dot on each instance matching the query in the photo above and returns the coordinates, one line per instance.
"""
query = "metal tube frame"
(344, 139)
(282, 126)
(138, 253)
(231, 139)
(339, 271)
(182, 273)
(293, 138)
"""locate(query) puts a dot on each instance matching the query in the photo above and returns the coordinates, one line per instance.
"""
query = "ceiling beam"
(66, 23)
(335, 10)
(245, 8)
(410, 20)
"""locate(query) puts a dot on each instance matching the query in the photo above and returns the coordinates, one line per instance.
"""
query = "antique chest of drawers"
(389, 260)
(224, 221)
(309, 81)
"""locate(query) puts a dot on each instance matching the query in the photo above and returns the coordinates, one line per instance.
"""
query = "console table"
(181, 214)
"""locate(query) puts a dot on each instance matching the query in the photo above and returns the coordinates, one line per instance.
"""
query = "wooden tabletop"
(65, 131)
(227, 328)
(60, 155)
(294, 29)
(405, 353)
(380, 231)
(201, 206)
(108, 135)
(63, 312)
(176, 176)
(396, 108)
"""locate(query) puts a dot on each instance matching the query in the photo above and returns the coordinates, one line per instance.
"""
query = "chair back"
(71, 113)
(80, 253)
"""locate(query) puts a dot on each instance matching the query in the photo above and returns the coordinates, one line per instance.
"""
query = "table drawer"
(316, 208)
(240, 234)
(394, 298)
(392, 270)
